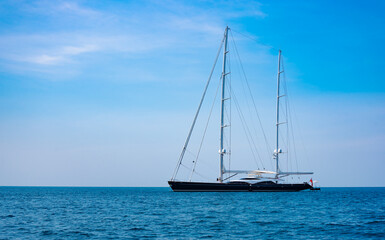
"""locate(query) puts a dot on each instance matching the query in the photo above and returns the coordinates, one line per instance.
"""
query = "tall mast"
(277, 150)
(221, 149)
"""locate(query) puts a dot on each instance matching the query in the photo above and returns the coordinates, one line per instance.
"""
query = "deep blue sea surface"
(125, 213)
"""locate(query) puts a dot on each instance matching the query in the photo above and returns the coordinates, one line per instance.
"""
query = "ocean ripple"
(123, 213)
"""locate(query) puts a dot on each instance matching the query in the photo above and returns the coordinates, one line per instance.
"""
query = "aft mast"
(277, 150)
(222, 151)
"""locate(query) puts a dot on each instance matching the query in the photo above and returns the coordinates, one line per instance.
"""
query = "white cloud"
(60, 56)
(70, 30)
(75, 50)
(56, 8)
(45, 59)
(195, 25)
(74, 8)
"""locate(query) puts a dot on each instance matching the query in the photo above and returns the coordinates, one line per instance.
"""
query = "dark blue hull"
(236, 187)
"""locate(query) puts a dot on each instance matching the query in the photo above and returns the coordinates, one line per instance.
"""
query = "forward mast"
(222, 151)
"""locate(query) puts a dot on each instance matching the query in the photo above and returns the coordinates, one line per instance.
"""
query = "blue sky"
(103, 93)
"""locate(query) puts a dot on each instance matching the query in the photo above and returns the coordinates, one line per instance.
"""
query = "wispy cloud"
(55, 8)
(75, 8)
(245, 9)
(72, 50)
(60, 56)
(45, 59)
(70, 30)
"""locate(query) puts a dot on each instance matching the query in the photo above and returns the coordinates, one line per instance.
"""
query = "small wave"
(379, 235)
(47, 233)
(275, 211)
(164, 223)
(82, 233)
(263, 223)
(207, 236)
(157, 214)
(337, 224)
(137, 229)
(376, 222)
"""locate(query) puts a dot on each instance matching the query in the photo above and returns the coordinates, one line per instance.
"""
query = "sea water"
(138, 213)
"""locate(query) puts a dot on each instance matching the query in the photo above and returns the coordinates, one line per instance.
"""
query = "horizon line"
(155, 186)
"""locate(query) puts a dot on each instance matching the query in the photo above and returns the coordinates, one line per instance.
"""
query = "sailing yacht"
(256, 180)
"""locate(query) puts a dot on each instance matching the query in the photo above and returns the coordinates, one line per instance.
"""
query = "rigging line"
(252, 98)
(250, 92)
(255, 40)
(227, 110)
(206, 164)
(231, 128)
(203, 176)
(230, 122)
(282, 138)
(300, 132)
(228, 88)
(225, 139)
(293, 138)
(289, 155)
(285, 143)
(247, 132)
(289, 163)
(191, 153)
(247, 136)
(246, 129)
(228, 153)
(284, 105)
(288, 110)
(229, 118)
(228, 125)
(230, 176)
(197, 113)
(254, 147)
(204, 133)
(251, 115)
